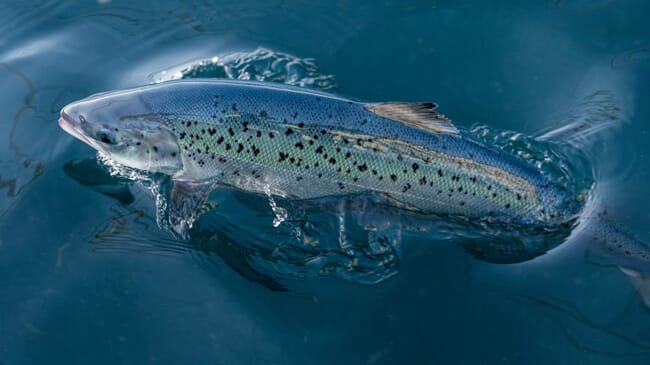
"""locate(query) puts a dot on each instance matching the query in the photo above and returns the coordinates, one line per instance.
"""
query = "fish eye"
(107, 137)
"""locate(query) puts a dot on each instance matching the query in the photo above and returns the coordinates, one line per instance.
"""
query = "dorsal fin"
(419, 115)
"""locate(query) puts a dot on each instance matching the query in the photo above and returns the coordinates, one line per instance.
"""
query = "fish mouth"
(67, 123)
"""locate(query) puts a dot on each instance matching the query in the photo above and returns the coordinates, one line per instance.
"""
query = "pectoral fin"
(185, 202)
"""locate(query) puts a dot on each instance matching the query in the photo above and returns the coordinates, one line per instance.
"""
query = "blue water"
(86, 275)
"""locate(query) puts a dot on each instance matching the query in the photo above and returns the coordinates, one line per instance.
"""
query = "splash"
(260, 65)
(154, 183)
(558, 161)
(280, 213)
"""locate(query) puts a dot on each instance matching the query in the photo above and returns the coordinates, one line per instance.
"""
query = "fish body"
(305, 144)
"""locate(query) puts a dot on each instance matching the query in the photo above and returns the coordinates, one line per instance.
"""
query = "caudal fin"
(641, 281)
(631, 255)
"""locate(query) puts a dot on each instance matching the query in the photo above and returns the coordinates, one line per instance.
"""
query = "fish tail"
(625, 250)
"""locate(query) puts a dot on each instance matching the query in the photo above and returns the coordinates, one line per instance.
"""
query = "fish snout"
(74, 123)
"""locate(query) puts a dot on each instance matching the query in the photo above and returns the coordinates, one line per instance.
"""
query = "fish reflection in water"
(357, 238)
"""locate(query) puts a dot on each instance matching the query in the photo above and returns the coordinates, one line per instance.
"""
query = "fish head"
(123, 126)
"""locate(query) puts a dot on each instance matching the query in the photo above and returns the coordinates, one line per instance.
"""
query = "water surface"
(87, 276)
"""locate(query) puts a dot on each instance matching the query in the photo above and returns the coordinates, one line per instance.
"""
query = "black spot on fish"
(298, 178)
(301, 125)
(332, 161)
(423, 180)
(292, 159)
(256, 151)
(289, 131)
(320, 175)
(381, 177)
(258, 134)
(319, 149)
(323, 132)
(347, 155)
(494, 195)
(393, 177)
(462, 203)
(311, 143)
(231, 132)
(406, 187)
(299, 145)
(245, 126)
(508, 206)
(228, 146)
(181, 136)
(415, 167)
(460, 189)
(271, 135)
(363, 122)
(518, 196)
(155, 148)
(374, 172)
(341, 186)
(489, 187)
(203, 130)
(220, 140)
(363, 167)
(212, 131)
(338, 149)
(283, 156)
(439, 172)
(240, 147)
(404, 171)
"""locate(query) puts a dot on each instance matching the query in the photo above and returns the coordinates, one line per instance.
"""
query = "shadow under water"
(357, 238)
